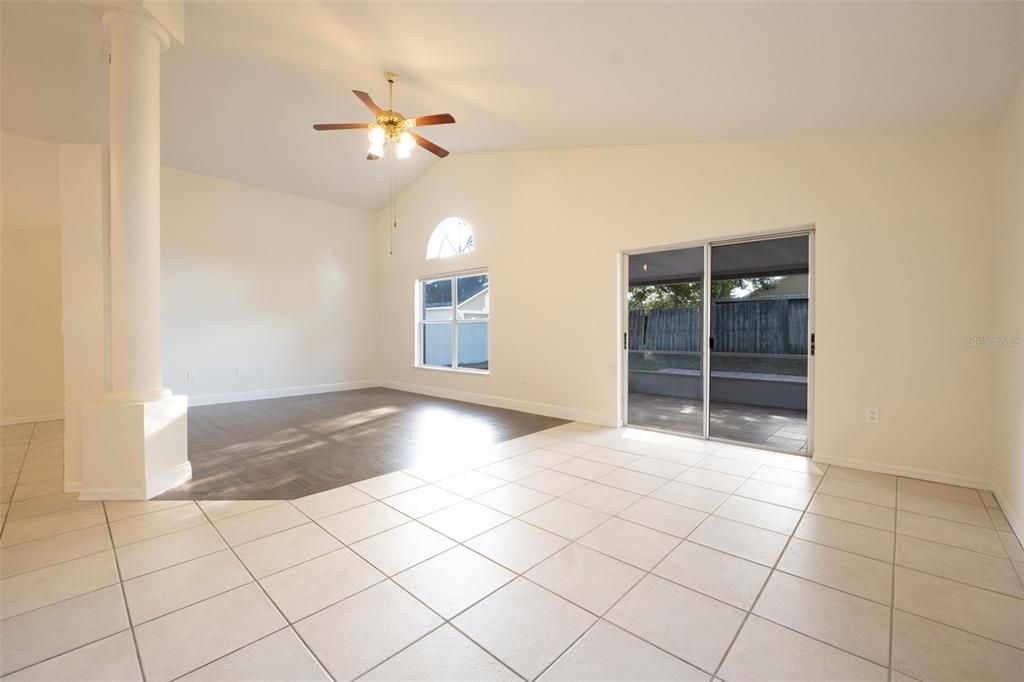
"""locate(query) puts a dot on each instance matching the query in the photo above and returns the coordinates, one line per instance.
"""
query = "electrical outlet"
(524, 378)
(190, 375)
(871, 415)
(239, 372)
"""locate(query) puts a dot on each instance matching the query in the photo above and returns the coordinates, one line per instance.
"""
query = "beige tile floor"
(578, 553)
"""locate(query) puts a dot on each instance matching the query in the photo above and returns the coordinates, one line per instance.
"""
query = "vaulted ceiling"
(240, 97)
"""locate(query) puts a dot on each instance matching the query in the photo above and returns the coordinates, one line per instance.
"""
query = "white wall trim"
(72, 486)
(10, 421)
(908, 472)
(545, 409)
(267, 393)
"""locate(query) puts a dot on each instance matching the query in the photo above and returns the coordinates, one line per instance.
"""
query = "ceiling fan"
(391, 127)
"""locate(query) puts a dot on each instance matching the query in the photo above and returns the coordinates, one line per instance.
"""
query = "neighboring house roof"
(787, 286)
(469, 288)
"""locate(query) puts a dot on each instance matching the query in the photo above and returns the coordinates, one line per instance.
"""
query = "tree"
(688, 294)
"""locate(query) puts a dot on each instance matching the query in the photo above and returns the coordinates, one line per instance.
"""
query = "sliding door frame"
(707, 245)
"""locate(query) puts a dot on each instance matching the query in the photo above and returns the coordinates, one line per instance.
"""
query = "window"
(455, 337)
(451, 237)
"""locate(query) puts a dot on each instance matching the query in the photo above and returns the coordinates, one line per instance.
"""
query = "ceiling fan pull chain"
(394, 204)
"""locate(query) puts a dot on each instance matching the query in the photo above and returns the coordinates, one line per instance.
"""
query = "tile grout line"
(57, 563)
(387, 578)
(892, 594)
(757, 598)
(465, 499)
(266, 595)
(962, 629)
(448, 621)
(71, 650)
(894, 565)
(570, 542)
(390, 578)
(234, 651)
(36, 497)
(124, 598)
(17, 478)
(601, 617)
(573, 541)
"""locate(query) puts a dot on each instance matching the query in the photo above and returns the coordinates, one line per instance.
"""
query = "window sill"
(454, 370)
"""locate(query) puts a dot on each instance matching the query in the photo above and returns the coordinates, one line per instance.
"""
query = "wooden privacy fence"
(765, 326)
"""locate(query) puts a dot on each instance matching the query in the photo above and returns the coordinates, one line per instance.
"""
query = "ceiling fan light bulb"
(405, 145)
(377, 135)
(377, 149)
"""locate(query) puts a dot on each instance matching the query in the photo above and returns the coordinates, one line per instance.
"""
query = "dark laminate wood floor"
(289, 447)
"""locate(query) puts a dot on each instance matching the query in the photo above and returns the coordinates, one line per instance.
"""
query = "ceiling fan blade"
(429, 146)
(368, 101)
(432, 120)
(340, 126)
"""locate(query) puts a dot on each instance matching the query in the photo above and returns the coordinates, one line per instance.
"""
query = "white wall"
(31, 367)
(277, 286)
(904, 245)
(1008, 473)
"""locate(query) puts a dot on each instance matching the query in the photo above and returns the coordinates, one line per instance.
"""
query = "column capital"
(122, 16)
(165, 19)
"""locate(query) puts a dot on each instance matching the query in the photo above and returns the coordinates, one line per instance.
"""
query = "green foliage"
(688, 294)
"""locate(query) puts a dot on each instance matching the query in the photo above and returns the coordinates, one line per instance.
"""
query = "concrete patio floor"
(764, 426)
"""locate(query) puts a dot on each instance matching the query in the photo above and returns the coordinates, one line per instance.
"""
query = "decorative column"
(135, 442)
(136, 42)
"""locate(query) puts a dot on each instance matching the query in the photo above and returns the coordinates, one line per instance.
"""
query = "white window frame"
(458, 247)
(454, 322)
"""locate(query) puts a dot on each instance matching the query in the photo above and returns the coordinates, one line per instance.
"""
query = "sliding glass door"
(744, 380)
(758, 339)
(664, 340)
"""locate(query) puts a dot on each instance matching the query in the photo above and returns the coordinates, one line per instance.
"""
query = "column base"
(134, 451)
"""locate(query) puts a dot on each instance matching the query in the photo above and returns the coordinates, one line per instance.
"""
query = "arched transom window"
(451, 237)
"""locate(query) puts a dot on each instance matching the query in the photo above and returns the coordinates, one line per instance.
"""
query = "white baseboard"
(557, 411)
(267, 393)
(107, 494)
(10, 421)
(908, 472)
(1012, 514)
(72, 486)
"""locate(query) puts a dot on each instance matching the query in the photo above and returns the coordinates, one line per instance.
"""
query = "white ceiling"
(240, 97)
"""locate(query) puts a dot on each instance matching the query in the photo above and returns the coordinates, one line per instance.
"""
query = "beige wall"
(286, 288)
(1008, 471)
(904, 242)
(263, 290)
(32, 351)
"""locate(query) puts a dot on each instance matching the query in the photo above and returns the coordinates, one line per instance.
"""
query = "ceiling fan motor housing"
(392, 122)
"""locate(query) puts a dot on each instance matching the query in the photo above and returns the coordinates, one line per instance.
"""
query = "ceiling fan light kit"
(390, 129)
